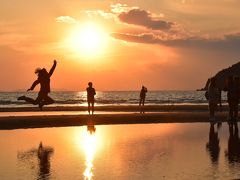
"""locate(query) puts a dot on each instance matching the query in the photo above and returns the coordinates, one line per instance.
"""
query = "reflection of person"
(90, 127)
(44, 81)
(213, 144)
(233, 152)
(213, 98)
(142, 96)
(90, 97)
(44, 154)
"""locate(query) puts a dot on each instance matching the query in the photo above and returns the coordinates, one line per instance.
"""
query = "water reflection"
(213, 144)
(233, 151)
(90, 146)
(43, 156)
(90, 127)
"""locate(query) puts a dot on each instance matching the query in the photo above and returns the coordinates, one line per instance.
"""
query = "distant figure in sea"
(44, 81)
(90, 97)
(142, 96)
(233, 90)
(213, 94)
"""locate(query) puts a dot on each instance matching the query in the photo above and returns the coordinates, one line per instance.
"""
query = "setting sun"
(88, 39)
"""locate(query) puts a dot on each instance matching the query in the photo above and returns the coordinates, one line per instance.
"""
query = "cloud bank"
(144, 18)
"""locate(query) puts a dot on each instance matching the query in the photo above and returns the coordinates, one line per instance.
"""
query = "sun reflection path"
(90, 147)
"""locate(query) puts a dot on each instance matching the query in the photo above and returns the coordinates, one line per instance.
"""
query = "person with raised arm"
(44, 81)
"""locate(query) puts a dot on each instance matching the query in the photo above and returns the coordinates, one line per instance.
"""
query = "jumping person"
(90, 97)
(44, 81)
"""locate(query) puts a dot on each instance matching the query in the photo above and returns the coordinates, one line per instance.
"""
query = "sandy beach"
(18, 118)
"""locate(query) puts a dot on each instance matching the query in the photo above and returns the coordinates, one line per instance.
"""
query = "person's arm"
(53, 68)
(34, 85)
(94, 91)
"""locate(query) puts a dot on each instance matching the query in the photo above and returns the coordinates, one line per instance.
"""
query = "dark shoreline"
(115, 108)
(43, 121)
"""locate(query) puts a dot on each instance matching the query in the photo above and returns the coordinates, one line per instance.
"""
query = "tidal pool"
(146, 151)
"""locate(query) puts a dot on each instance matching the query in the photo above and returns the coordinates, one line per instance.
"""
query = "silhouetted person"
(90, 97)
(237, 86)
(142, 98)
(233, 88)
(44, 81)
(233, 152)
(213, 144)
(213, 98)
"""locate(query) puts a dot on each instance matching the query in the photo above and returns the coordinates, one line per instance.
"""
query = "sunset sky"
(118, 45)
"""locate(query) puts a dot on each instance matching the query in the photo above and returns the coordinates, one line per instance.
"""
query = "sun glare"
(88, 39)
(89, 143)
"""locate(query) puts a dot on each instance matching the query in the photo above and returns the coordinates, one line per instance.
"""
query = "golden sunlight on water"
(147, 151)
(89, 143)
(90, 149)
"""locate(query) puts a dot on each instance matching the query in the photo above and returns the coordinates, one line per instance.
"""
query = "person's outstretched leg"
(29, 100)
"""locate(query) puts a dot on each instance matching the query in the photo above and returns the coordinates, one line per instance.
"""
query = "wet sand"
(61, 119)
(116, 108)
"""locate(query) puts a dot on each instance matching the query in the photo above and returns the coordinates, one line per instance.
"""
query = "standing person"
(142, 96)
(90, 97)
(44, 81)
(232, 97)
(237, 96)
(213, 98)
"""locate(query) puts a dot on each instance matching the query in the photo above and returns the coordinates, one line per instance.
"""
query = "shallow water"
(149, 151)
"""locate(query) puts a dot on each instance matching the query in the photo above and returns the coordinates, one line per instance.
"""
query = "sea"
(171, 151)
(78, 98)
